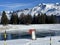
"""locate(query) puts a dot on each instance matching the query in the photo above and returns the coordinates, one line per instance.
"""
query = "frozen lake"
(42, 28)
(39, 41)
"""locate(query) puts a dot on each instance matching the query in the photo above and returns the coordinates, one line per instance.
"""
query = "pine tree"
(4, 19)
(14, 19)
(34, 19)
(52, 19)
(28, 19)
(38, 19)
(22, 19)
(43, 18)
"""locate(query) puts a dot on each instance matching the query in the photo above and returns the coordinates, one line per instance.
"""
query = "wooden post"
(5, 35)
(50, 40)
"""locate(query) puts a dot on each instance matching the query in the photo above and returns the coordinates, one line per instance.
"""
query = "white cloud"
(15, 5)
(10, 5)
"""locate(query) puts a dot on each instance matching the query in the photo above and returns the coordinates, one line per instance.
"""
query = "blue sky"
(22, 4)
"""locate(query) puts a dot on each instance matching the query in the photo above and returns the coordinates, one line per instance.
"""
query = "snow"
(48, 7)
(38, 41)
(24, 11)
(38, 27)
(43, 8)
(40, 8)
(25, 28)
(55, 40)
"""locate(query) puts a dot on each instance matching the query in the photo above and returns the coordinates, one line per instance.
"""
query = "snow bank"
(38, 27)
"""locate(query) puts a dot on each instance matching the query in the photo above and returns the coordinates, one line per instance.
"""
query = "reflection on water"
(15, 36)
(27, 35)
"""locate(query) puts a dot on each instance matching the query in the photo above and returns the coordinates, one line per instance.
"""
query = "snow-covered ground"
(55, 40)
(39, 41)
(38, 27)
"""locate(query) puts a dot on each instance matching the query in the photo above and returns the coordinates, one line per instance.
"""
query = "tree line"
(27, 19)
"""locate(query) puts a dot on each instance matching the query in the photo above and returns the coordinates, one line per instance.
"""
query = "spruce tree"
(38, 19)
(22, 19)
(4, 19)
(52, 19)
(43, 18)
(34, 19)
(28, 19)
(14, 19)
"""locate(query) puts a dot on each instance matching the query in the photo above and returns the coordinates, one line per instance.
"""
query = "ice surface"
(38, 41)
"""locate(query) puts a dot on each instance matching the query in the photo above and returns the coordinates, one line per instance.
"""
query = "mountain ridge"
(48, 8)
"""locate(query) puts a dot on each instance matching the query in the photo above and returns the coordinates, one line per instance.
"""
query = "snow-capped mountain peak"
(48, 8)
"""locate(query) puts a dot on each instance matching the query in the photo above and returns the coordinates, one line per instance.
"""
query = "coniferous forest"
(29, 19)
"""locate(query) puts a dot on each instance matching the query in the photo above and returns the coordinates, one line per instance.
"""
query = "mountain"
(43, 8)
(40, 8)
